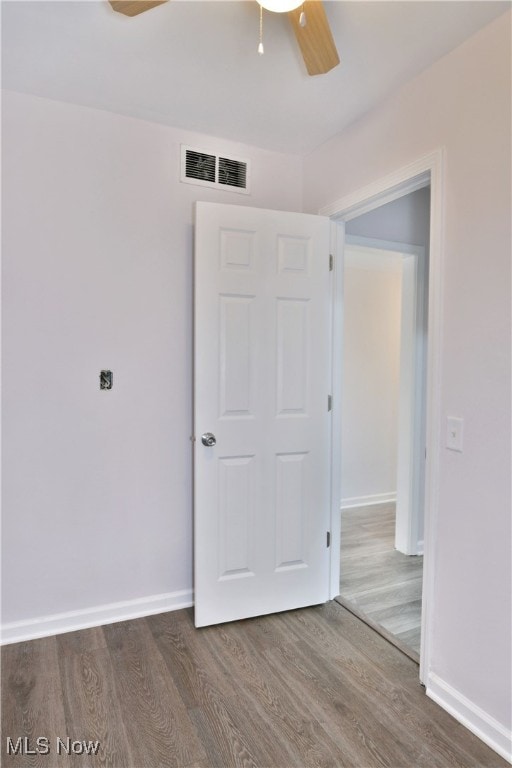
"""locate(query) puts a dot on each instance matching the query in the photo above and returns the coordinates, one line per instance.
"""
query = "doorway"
(383, 424)
(383, 417)
(424, 172)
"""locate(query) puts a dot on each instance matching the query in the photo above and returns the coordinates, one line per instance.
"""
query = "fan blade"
(315, 39)
(134, 7)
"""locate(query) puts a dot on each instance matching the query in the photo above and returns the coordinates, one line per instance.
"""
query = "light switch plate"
(454, 433)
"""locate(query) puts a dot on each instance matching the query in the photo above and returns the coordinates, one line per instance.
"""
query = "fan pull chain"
(302, 17)
(261, 50)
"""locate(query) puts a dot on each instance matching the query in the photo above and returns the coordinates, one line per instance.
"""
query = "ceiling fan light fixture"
(281, 6)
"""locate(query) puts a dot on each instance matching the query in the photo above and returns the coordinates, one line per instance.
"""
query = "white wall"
(97, 249)
(371, 376)
(462, 103)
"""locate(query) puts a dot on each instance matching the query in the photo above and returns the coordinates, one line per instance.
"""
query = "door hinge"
(329, 402)
(328, 539)
(331, 262)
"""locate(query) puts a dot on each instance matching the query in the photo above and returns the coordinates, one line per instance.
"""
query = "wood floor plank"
(399, 695)
(385, 597)
(91, 639)
(187, 657)
(286, 718)
(394, 663)
(32, 705)
(376, 579)
(265, 632)
(409, 637)
(160, 730)
(349, 721)
(378, 711)
(392, 638)
(399, 618)
(328, 624)
(91, 699)
(223, 741)
(301, 689)
(212, 692)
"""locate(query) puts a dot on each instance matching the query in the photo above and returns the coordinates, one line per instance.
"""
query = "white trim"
(420, 547)
(402, 182)
(433, 404)
(411, 440)
(475, 719)
(56, 624)
(368, 501)
(337, 248)
(357, 241)
(418, 174)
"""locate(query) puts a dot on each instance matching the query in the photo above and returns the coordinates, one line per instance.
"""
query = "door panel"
(262, 376)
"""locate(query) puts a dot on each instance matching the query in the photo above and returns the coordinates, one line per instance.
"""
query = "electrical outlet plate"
(106, 380)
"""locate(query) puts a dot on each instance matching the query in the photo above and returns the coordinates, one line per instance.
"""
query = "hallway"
(376, 579)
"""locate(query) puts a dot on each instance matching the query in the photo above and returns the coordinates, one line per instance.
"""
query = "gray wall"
(406, 220)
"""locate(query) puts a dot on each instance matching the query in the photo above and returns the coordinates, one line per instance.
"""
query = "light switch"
(454, 433)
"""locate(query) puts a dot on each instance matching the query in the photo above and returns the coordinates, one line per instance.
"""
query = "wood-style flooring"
(383, 584)
(312, 687)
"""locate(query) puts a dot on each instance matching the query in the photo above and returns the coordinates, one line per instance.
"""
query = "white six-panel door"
(262, 379)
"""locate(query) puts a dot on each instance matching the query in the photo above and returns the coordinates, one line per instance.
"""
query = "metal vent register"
(215, 171)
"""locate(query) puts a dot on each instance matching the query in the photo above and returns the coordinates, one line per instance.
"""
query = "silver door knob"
(208, 439)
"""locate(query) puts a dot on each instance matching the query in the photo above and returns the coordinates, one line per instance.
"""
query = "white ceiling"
(194, 64)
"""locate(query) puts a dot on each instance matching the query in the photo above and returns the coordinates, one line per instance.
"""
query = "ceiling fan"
(308, 20)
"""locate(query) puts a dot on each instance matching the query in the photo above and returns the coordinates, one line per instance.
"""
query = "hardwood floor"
(313, 687)
(383, 584)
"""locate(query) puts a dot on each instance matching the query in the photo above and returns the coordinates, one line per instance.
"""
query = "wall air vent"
(232, 173)
(210, 170)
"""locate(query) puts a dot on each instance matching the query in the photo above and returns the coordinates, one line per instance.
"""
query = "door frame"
(425, 171)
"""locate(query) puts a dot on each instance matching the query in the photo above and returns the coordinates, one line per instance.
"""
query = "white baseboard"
(367, 501)
(419, 549)
(489, 730)
(43, 626)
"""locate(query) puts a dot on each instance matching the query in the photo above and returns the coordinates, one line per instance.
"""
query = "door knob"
(208, 439)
